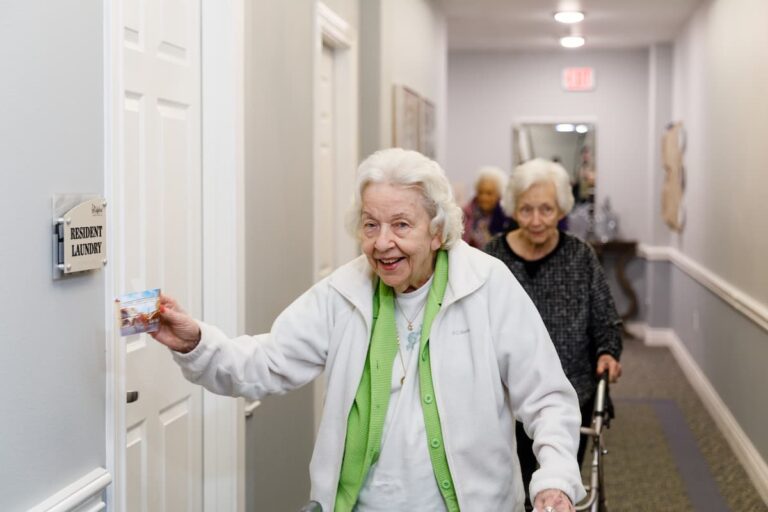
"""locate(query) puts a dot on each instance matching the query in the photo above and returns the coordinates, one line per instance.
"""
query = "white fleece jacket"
(492, 361)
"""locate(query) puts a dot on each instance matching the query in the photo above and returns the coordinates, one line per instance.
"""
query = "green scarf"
(366, 418)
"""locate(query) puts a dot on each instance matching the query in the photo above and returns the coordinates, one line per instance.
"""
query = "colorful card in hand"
(139, 312)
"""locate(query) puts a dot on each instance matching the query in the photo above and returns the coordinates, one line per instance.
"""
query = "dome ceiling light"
(572, 41)
(569, 16)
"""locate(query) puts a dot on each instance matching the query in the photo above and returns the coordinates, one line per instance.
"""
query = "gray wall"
(52, 372)
(720, 79)
(658, 296)
(373, 136)
(402, 42)
(718, 82)
(660, 114)
(730, 349)
(278, 164)
(489, 91)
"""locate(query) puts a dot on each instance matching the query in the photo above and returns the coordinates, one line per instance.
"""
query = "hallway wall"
(721, 75)
(279, 88)
(53, 367)
(720, 79)
(660, 91)
(402, 42)
(489, 91)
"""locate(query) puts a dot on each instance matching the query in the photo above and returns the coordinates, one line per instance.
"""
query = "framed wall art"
(427, 127)
(406, 120)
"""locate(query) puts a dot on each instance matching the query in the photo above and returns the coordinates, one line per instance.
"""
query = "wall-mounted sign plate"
(79, 234)
(578, 79)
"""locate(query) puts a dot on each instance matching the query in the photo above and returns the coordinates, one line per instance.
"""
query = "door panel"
(136, 463)
(159, 244)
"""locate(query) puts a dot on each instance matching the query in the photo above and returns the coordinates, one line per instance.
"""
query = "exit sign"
(579, 79)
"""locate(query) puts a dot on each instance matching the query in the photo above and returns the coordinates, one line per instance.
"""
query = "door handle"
(131, 396)
(250, 407)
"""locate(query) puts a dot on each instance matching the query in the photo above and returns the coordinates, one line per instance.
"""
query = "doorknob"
(131, 396)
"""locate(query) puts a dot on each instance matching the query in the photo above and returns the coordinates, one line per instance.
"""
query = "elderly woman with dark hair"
(566, 282)
(430, 348)
(483, 215)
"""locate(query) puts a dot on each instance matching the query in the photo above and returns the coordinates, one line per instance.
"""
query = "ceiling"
(528, 24)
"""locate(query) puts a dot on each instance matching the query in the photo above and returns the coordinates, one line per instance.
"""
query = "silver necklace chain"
(410, 328)
(410, 321)
(402, 361)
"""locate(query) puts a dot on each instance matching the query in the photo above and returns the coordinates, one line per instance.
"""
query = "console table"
(624, 251)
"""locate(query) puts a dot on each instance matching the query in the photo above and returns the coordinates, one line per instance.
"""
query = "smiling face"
(537, 213)
(395, 236)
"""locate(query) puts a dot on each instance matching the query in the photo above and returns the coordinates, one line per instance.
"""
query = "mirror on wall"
(570, 143)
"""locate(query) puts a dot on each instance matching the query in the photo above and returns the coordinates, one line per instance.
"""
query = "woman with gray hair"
(566, 282)
(483, 215)
(430, 349)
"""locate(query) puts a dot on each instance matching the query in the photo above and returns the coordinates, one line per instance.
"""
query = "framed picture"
(427, 128)
(406, 118)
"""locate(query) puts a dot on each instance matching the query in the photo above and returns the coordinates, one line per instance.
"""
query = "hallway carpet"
(665, 452)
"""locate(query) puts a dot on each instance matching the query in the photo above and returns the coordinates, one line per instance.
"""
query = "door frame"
(222, 101)
(223, 134)
(334, 31)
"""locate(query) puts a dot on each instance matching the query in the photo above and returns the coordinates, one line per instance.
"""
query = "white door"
(158, 244)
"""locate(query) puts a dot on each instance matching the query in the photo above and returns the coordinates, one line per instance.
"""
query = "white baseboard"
(657, 337)
(636, 329)
(83, 495)
(755, 466)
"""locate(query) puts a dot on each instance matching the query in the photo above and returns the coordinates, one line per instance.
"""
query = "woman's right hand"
(178, 331)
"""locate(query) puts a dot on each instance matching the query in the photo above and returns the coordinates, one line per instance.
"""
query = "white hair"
(536, 171)
(411, 169)
(494, 174)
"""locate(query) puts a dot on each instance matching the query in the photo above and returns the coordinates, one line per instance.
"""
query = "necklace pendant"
(413, 339)
(410, 326)
(402, 380)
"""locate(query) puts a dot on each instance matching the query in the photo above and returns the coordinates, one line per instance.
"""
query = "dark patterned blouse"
(569, 288)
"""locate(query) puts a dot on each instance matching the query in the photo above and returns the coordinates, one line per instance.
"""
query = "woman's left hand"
(606, 362)
(555, 499)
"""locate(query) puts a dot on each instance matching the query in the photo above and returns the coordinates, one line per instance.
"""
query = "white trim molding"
(223, 154)
(333, 31)
(753, 463)
(82, 495)
(736, 298)
(113, 161)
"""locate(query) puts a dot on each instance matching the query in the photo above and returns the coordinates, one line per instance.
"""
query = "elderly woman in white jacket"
(431, 351)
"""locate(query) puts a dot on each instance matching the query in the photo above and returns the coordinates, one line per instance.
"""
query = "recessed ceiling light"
(582, 128)
(571, 41)
(569, 16)
(564, 127)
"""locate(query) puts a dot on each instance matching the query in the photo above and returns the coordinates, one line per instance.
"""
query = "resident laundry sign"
(82, 234)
